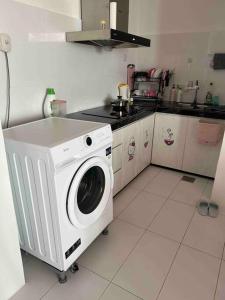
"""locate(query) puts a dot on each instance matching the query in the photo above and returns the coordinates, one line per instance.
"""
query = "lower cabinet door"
(169, 140)
(117, 182)
(131, 150)
(199, 158)
(146, 136)
(117, 156)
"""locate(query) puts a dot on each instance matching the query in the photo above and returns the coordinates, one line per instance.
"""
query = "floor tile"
(143, 209)
(147, 266)
(220, 292)
(107, 253)
(164, 183)
(189, 193)
(207, 234)
(83, 285)
(123, 199)
(145, 177)
(173, 220)
(114, 292)
(39, 279)
(193, 276)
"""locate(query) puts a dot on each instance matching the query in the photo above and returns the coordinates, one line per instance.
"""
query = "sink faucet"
(195, 102)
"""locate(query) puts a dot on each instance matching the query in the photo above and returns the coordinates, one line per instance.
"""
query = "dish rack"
(142, 78)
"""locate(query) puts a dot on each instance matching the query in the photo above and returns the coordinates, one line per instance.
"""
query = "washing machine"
(62, 181)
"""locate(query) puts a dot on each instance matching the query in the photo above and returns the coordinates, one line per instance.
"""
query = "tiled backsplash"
(82, 75)
(182, 31)
(174, 50)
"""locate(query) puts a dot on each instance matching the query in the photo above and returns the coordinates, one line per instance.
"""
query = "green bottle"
(50, 96)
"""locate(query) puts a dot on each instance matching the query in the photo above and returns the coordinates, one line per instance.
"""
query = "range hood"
(92, 13)
(107, 38)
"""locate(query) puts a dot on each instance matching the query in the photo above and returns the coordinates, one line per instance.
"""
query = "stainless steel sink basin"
(187, 105)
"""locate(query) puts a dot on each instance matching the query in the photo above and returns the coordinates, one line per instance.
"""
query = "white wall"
(69, 8)
(179, 16)
(11, 275)
(82, 75)
(179, 30)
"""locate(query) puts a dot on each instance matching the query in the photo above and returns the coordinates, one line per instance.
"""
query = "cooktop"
(109, 113)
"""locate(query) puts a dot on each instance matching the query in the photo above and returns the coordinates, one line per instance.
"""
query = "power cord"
(8, 96)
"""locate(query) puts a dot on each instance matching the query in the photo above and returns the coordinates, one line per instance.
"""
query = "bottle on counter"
(130, 76)
(50, 96)
(216, 100)
(209, 95)
(179, 93)
(173, 94)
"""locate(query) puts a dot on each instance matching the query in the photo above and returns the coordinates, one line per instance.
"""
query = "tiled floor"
(158, 248)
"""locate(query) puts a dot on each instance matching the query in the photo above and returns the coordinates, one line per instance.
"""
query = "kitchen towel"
(209, 133)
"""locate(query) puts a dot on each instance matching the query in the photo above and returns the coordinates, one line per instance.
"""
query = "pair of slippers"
(210, 209)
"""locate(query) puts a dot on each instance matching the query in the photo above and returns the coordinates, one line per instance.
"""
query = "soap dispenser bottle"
(209, 95)
(50, 96)
(173, 94)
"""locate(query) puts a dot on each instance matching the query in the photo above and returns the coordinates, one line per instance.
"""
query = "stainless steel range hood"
(107, 38)
(93, 12)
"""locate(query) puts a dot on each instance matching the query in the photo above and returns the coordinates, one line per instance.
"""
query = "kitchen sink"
(190, 111)
(188, 105)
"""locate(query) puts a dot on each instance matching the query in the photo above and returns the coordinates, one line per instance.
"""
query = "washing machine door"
(89, 192)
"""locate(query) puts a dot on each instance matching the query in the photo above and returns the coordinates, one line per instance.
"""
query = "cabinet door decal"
(146, 139)
(168, 137)
(131, 149)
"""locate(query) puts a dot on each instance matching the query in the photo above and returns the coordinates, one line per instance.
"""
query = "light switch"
(5, 42)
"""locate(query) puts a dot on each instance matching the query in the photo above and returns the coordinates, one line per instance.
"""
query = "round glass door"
(89, 192)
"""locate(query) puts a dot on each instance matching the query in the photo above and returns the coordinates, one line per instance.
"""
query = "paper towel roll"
(113, 14)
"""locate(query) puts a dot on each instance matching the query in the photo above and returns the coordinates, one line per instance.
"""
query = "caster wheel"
(74, 268)
(105, 231)
(62, 279)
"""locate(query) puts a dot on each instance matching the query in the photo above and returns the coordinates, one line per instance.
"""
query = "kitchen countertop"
(102, 114)
(143, 109)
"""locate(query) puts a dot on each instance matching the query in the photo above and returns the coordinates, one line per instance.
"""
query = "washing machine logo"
(66, 149)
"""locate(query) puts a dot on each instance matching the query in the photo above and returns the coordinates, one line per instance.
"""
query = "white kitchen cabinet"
(198, 158)
(131, 152)
(163, 139)
(117, 154)
(218, 191)
(169, 140)
(146, 137)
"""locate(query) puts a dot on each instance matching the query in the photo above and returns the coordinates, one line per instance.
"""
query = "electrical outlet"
(5, 42)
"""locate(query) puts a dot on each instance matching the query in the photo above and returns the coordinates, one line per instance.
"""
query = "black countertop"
(103, 114)
(143, 109)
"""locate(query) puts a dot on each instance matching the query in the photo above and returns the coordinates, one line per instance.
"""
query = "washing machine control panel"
(73, 150)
